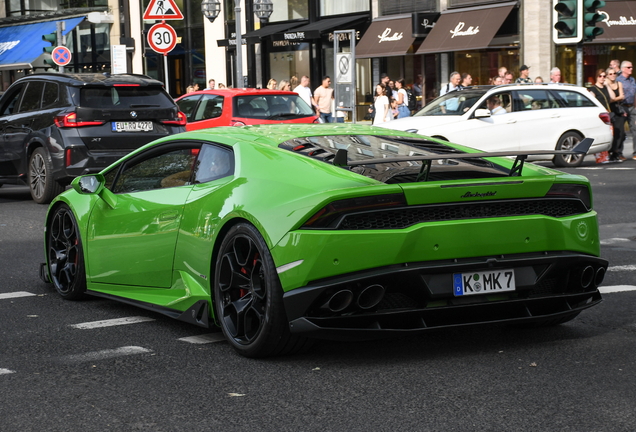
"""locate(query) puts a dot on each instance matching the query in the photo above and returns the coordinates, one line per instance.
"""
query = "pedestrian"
(271, 84)
(629, 89)
(284, 85)
(538, 80)
(221, 85)
(453, 83)
(189, 89)
(392, 90)
(417, 90)
(466, 80)
(395, 112)
(195, 86)
(384, 79)
(211, 84)
(555, 75)
(599, 90)
(524, 71)
(508, 78)
(616, 65)
(304, 91)
(293, 81)
(402, 99)
(497, 80)
(322, 99)
(382, 107)
(617, 113)
(502, 72)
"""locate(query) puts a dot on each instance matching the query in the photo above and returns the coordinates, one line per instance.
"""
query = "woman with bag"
(381, 104)
(402, 99)
(599, 90)
(618, 114)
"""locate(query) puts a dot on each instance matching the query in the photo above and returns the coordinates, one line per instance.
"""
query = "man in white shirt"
(555, 75)
(211, 84)
(494, 105)
(453, 84)
(304, 91)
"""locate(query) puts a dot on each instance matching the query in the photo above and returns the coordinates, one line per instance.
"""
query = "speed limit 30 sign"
(162, 38)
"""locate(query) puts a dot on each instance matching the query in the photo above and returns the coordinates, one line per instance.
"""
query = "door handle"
(512, 121)
(168, 215)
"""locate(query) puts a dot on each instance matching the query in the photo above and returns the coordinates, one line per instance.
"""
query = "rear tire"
(249, 298)
(568, 141)
(43, 187)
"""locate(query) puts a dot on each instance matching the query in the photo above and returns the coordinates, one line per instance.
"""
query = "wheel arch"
(33, 144)
(576, 131)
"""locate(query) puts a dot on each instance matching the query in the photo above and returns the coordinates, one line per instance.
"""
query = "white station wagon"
(531, 117)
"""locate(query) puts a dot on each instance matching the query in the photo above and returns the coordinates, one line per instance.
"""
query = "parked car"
(280, 233)
(56, 127)
(239, 107)
(537, 116)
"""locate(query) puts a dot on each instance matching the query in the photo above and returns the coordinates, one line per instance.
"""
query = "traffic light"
(567, 17)
(47, 50)
(590, 18)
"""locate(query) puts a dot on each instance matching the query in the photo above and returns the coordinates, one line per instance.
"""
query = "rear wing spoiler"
(581, 149)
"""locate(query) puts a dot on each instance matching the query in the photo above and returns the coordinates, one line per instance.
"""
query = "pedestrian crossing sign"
(162, 10)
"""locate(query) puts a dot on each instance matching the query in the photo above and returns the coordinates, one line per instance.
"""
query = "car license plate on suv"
(483, 282)
(138, 126)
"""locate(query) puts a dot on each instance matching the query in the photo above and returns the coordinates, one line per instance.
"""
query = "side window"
(187, 106)
(572, 99)
(109, 178)
(213, 163)
(32, 97)
(10, 104)
(534, 100)
(211, 106)
(502, 107)
(167, 169)
(50, 95)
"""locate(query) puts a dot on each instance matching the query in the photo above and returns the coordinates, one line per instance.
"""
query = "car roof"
(105, 79)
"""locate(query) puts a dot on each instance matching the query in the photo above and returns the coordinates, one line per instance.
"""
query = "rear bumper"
(419, 296)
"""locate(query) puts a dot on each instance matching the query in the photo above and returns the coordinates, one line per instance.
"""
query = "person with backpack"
(412, 100)
(402, 99)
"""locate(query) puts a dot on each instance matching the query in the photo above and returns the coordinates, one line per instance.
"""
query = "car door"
(9, 153)
(208, 113)
(577, 111)
(539, 119)
(494, 133)
(134, 242)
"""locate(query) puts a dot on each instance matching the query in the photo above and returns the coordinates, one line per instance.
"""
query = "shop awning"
(386, 38)
(466, 29)
(256, 35)
(318, 28)
(619, 23)
(21, 45)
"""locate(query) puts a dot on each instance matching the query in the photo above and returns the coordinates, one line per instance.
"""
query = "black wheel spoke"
(63, 250)
(234, 315)
(258, 280)
(243, 247)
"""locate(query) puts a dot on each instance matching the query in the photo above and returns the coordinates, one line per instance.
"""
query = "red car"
(238, 107)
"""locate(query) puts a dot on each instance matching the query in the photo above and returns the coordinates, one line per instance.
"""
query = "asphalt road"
(580, 376)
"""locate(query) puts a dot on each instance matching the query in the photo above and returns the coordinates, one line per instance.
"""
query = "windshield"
(124, 97)
(271, 107)
(455, 103)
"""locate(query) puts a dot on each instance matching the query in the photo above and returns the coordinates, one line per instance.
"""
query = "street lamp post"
(239, 44)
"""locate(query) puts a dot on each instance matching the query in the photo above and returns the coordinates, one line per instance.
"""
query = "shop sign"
(386, 36)
(284, 43)
(423, 23)
(344, 36)
(619, 22)
(459, 30)
(294, 36)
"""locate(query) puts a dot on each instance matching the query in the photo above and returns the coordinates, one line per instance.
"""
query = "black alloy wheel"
(249, 298)
(65, 256)
(568, 141)
(43, 187)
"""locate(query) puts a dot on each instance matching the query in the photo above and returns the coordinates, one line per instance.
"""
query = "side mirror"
(482, 113)
(88, 184)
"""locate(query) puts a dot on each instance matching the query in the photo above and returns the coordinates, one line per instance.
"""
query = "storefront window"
(465, 3)
(597, 56)
(337, 7)
(484, 64)
(290, 10)
(286, 64)
(394, 7)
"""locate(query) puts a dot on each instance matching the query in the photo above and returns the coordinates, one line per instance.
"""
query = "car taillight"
(329, 214)
(70, 120)
(567, 190)
(236, 123)
(180, 121)
(605, 118)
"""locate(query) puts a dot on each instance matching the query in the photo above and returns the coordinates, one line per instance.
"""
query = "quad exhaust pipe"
(587, 276)
(339, 301)
(370, 297)
(600, 275)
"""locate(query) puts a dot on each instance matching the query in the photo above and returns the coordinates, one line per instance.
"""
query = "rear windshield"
(271, 107)
(361, 147)
(125, 97)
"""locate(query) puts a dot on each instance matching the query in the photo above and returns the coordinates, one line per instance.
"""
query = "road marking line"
(106, 354)
(6, 371)
(612, 241)
(622, 268)
(111, 322)
(204, 339)
(590, 168)
(16, 295)
(616, 288)
(621, 168)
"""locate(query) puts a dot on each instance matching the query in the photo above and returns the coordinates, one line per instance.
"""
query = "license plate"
(138, 126)
(483, 282)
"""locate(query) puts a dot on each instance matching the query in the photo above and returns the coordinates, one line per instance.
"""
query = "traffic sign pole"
(165, 69)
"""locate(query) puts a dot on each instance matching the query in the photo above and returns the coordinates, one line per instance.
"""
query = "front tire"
(43, 187)
(568, 141)
(65, 254)
(249, 298)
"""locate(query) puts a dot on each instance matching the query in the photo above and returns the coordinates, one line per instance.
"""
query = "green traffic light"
(566, 18)
(566, 8)
(52, 39)
(591, 17)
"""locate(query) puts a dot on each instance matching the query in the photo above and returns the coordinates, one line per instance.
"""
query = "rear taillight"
(70, 120)
(236, 123)
(180, 121)
(328, 216)
(605, 118)
(563, 190)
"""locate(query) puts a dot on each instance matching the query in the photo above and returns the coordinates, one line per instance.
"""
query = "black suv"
(54, 127)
